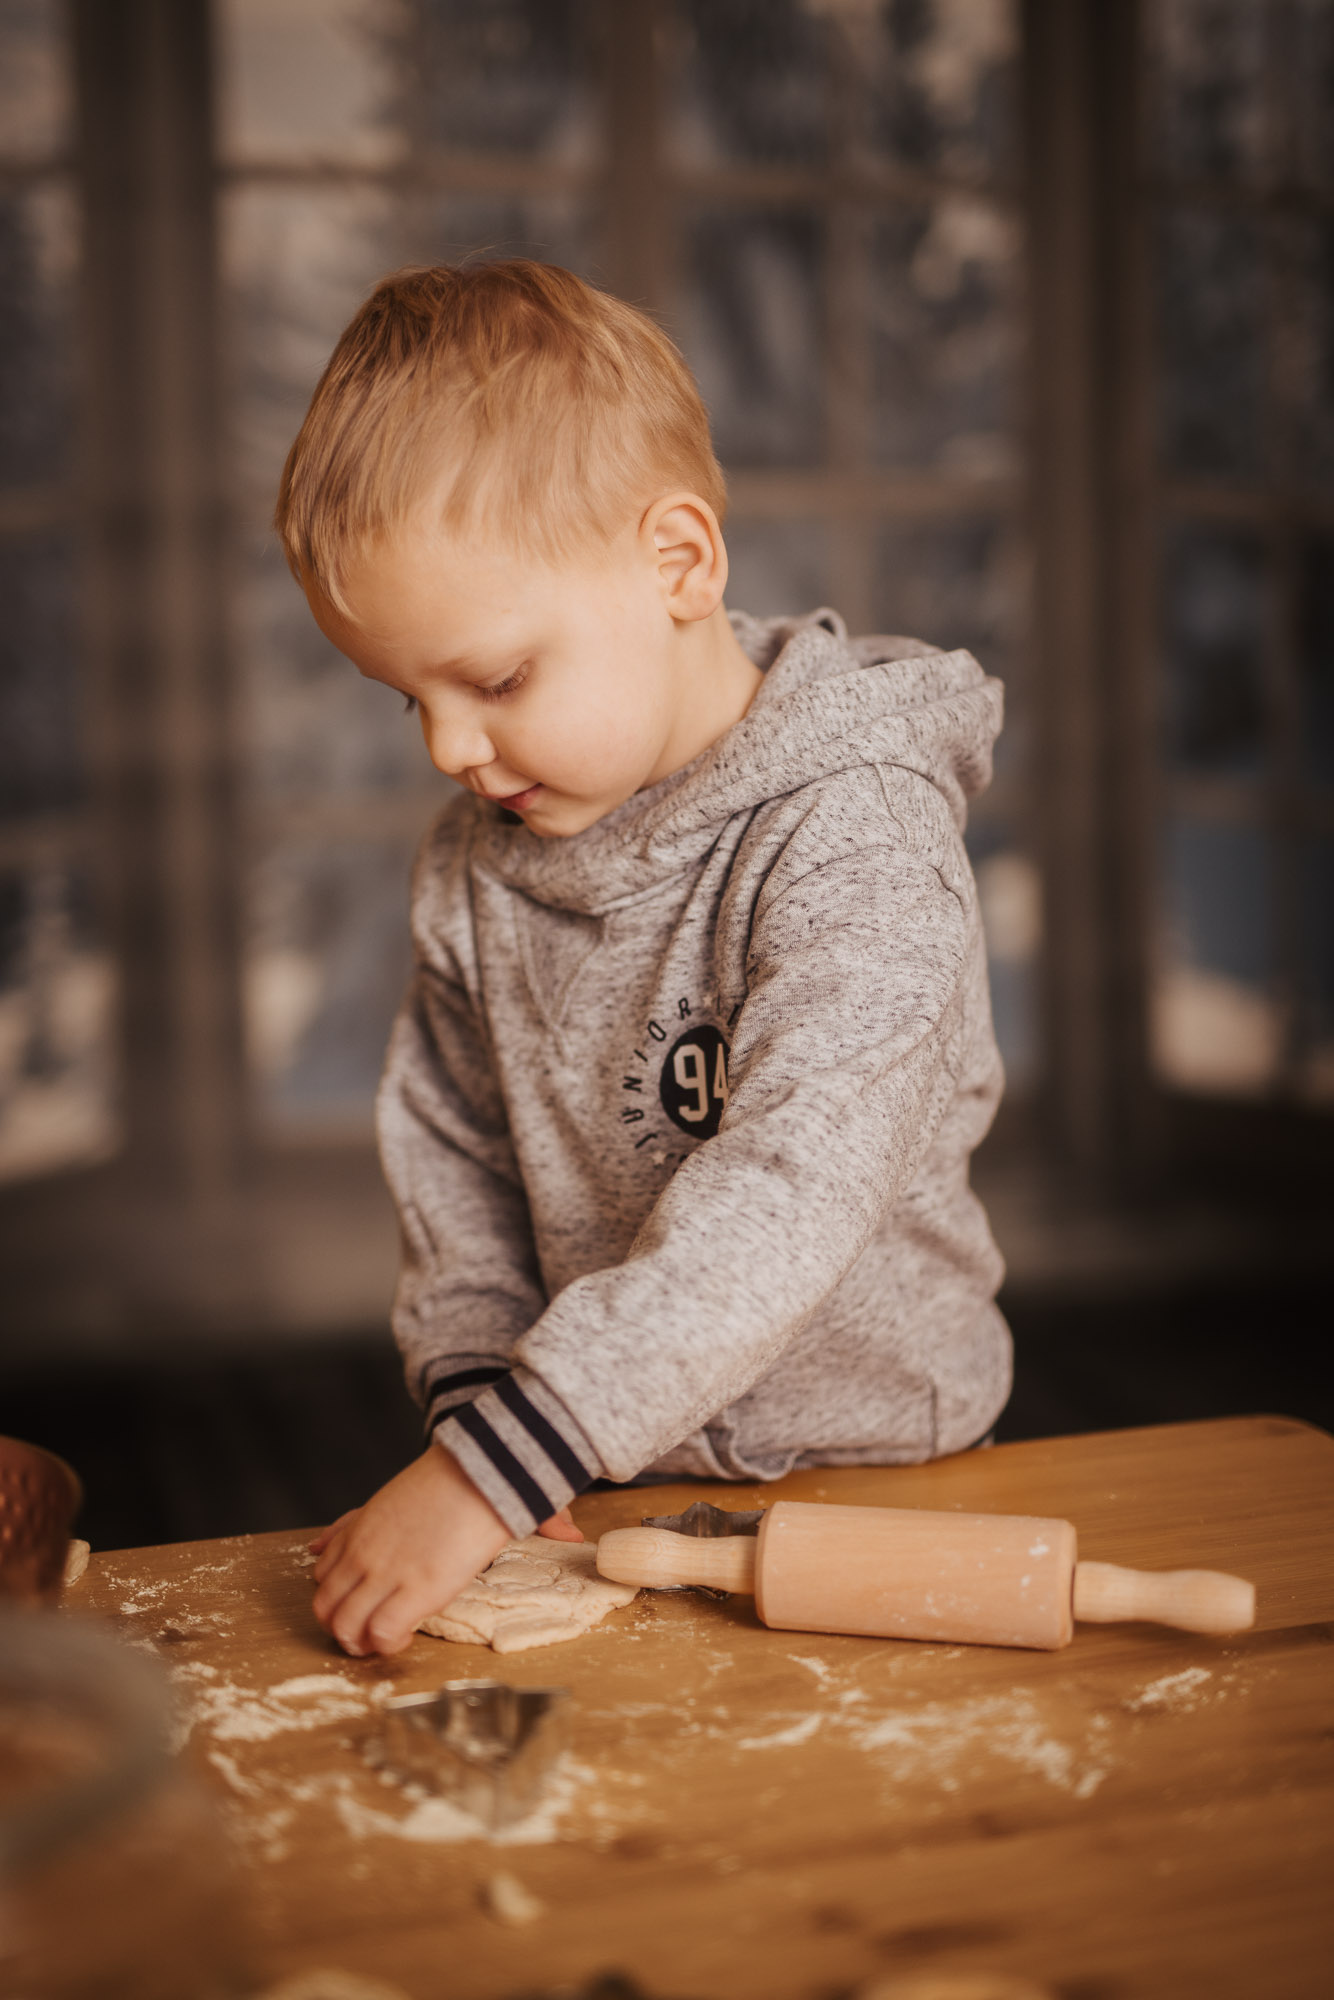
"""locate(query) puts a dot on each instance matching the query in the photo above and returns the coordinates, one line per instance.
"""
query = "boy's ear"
(681, 535)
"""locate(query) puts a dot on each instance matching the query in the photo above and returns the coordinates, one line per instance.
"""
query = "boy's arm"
(468, 1281)
(846, 1055)
(468, 1286)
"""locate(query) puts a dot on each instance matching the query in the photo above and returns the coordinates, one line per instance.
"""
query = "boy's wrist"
(518, 1446)
(458, 1487)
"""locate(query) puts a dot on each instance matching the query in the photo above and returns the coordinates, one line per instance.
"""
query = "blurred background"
(1016, 323)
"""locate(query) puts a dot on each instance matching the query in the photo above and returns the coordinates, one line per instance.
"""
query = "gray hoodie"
(678, 1111)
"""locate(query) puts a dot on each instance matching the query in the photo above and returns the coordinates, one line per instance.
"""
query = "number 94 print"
(690, 1074)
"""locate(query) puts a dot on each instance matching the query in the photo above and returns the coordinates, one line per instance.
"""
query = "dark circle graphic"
(693, 1086)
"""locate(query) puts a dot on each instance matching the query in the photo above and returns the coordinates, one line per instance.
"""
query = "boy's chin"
(560, 819)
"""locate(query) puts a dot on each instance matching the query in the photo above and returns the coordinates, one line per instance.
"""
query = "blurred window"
(823, 201)
(830, 190)
(1241, 181)
(57, 1068)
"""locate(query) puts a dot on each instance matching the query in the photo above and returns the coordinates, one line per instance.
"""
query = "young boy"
(678, 1110)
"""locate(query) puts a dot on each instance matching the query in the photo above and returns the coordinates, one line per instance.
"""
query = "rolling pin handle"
(657, 1559)
(1194, 1600)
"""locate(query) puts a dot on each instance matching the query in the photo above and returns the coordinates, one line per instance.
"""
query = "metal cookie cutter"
(705, 1522)
(483, 1745)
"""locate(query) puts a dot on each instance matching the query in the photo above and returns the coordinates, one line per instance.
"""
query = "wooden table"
(752, 1815)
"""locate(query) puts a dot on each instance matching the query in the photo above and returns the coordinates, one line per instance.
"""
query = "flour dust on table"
(536, 1593)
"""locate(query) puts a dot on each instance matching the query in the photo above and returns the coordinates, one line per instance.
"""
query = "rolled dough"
(536, 1593)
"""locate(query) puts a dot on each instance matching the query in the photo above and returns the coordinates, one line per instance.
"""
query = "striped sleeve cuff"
(460, 1380)
(520, 1447)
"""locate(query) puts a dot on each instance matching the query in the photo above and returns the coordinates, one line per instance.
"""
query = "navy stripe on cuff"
(465, 1378)
(516, 1475)
(544, 1433)
(447, 1391)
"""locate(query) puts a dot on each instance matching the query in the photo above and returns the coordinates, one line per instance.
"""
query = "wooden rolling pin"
(903, 1573)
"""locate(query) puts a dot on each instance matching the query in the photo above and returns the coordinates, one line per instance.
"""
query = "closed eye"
(511, 686)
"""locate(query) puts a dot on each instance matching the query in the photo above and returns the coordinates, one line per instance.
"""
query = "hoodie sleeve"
(468, 1281)
(846, 1054)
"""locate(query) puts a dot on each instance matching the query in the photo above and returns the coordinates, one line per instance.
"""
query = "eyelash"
(511, 686)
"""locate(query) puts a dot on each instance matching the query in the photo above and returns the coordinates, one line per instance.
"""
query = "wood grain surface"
(745, 1814)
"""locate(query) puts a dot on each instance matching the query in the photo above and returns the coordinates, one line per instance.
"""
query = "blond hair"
(536, 407)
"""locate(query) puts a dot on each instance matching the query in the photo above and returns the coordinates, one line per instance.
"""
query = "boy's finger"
(336, 1552)
(350, 1619)
(336, 1587)
(391, 1625)
(560, 1528)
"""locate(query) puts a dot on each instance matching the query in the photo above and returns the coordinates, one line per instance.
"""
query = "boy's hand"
(408, 1552)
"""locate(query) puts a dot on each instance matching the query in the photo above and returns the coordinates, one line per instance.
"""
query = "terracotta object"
(908, 1573)
(39, 1498)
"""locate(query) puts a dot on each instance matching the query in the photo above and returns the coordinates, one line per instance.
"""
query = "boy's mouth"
(520, 801)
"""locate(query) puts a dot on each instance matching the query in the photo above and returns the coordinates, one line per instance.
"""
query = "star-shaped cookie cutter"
(485, 1746)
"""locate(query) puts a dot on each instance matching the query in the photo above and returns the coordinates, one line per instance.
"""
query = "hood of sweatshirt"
(827, 703)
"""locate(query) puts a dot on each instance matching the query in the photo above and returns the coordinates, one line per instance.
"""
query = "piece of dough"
(505, 1898)
(331, 1985)
(536, 1593)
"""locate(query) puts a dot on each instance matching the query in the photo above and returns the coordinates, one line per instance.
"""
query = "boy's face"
(556, 691)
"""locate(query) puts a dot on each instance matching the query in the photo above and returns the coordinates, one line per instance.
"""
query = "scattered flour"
(1177, 1692)
(946, 1740)
(799, 1732)
(230, 1713)
(820, 1668)
(939, 1736)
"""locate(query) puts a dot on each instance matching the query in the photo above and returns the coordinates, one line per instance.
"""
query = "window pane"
(778, 567)
(753, 82)
(942, 81)
(296, 264)
(1215, 613)
(56, 1025)
(753, 333)
(508, 76)
(944, 336)
(35, 107)
(1216, 1027)
(38, 253)
(1210, 96)
(326, 964)
(952, 583)
(1210, 284)
(40, 766)
(1315, 660)
(311, 79)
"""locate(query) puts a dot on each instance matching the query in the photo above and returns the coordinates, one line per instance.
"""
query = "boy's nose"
(456, 744)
